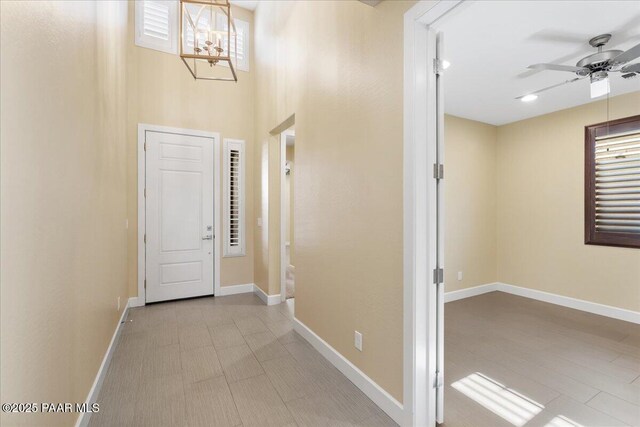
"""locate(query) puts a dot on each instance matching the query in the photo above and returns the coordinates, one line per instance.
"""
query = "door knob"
(208, 237)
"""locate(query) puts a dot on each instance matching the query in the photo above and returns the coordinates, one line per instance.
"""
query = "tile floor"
(230, 361)
(538, 364)
(225, 361)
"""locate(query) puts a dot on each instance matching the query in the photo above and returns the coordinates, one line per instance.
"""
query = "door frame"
(419, 213)
(283, 225)
(143, 128)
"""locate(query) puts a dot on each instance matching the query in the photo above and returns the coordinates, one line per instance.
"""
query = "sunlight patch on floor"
(562, 421)
(502, 401)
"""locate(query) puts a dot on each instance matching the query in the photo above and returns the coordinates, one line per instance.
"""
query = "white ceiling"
(491, 43)
(247, 4)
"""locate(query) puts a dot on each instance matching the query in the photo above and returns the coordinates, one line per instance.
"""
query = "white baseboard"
(248, 288)
(577, 304)
(83, 418)
(267, 299)
(236, 289)
(380, 397)
(470, 292)
(136, 302)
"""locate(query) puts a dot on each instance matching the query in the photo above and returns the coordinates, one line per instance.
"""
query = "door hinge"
(145, 192)
(145, 283)
(438, 170)
(439, 380)
(438, 275)
(145, 238)
(145, 146)
(437, 66)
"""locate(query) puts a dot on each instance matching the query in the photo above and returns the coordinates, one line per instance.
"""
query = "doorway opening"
(510, 108)
(422, 232)
(517, 100)
(287, 241)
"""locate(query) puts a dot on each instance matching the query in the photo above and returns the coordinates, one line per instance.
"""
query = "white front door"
(179, 216)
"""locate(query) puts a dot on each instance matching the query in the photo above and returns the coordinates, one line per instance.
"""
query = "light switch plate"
(459, 275)
(358, 340)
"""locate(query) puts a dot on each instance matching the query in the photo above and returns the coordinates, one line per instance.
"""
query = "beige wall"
(541, 210)
(63, 237)
(162, 92)
(470, 203)
(335, 64)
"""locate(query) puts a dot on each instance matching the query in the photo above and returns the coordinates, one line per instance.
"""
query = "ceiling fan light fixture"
(597, 65)
(599, 84)
(529, 98)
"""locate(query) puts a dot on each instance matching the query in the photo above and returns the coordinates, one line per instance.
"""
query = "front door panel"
(179, 216)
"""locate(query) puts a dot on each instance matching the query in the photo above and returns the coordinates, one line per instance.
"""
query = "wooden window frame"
(593, 237)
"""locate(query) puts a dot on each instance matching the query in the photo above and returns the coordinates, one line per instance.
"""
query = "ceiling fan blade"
(627, 55)
(565, 58)
(556, 67)
(552, 87)
(631, 68)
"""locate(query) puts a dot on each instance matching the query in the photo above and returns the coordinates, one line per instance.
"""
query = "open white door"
(438, 172)
(423, 213)
(179, 216)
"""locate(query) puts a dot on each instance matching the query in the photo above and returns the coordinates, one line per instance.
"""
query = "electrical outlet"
(259, 222)
(126, 224)
(118, 303)
(459, 275)
(358, 340)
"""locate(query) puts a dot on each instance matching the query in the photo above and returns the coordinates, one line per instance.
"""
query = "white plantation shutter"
(614, 176)
(234, 220)
(242, 41)
(155, 21)
(618, 183)
(157, 25)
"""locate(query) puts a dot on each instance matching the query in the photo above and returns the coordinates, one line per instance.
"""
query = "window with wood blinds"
(612, 183)
(234, 222)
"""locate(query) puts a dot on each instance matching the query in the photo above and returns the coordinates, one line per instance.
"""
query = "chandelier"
(208, 40)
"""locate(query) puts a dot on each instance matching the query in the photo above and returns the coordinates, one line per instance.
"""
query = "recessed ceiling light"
(529, 98)
(445, 64)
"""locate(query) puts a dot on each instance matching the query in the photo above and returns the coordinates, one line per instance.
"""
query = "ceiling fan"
(596, 66)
